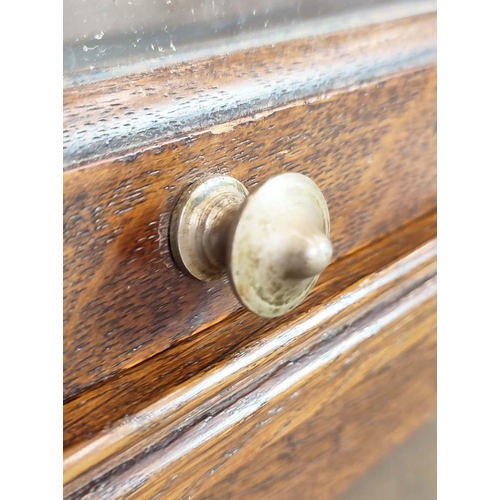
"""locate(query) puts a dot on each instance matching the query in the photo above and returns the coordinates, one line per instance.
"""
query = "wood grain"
(324, 455)
(371, 149)
(171, 389)
(134, 389)
(128, 113)
(337, 360)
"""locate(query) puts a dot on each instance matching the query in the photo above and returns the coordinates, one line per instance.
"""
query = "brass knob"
(273, 243)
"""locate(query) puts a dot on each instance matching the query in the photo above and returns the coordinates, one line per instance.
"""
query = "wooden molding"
(107, 118)
(177, 440)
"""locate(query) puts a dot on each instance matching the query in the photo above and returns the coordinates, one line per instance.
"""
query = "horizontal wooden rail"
(172, 438)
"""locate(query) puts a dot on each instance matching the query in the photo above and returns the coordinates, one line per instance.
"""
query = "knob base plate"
(200, 223)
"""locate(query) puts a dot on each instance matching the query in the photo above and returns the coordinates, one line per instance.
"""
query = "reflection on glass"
(100, 36)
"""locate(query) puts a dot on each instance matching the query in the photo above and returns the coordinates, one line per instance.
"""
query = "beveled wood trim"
(195, 416)
(135, 389)
(352, 431)
(128, 113)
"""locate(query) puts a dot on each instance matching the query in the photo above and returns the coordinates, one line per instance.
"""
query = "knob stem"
(200, 225)
(216, 231)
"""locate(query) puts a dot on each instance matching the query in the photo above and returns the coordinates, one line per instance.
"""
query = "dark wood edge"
(229, 380)
(107, 118)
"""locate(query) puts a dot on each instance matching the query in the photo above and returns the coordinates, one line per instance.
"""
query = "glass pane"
(109, 37)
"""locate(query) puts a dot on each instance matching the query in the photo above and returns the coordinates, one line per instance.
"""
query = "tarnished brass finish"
(273, 243)
(200, 224)
(279, 245)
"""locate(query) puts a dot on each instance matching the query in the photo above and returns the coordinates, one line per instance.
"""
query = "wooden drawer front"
(366, 134)
(372, 151)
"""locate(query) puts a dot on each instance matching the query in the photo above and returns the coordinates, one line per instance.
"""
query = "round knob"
(273, 243)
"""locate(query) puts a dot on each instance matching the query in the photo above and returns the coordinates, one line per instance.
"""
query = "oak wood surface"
(363, 360)
(123, 114)
(134, 389)
(171, 389)
(371, 149)
(327, 453)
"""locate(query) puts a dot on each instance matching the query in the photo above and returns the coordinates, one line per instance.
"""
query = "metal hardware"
(273, 243)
